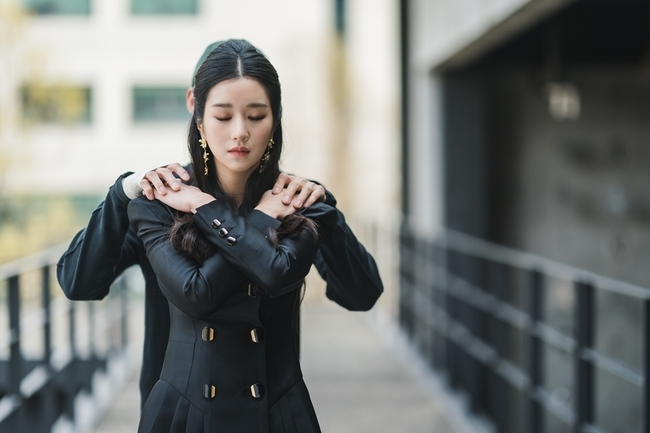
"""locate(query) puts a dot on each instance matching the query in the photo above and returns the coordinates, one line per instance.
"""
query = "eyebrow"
(251, 105)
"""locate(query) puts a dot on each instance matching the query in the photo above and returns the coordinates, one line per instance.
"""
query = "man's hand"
(272, 205)
(160, 178)
(298, 191)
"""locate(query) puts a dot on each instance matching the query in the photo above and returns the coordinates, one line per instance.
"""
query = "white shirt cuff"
(131, 184)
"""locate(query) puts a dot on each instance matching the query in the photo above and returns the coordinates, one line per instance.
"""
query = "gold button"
(209, 391)
(207, 333)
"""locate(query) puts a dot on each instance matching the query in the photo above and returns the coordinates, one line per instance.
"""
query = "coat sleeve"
(349, 270)
(197, 289)
(244, 242)
(99, 253)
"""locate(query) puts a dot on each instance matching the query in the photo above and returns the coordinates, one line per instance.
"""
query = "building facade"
(93, 88)
(98, 86)
(526, 126)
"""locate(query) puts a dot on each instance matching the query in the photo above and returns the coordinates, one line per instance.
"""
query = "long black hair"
(234, 58)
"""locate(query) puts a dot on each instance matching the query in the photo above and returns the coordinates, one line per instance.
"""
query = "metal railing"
(536, 346)
(51, 348)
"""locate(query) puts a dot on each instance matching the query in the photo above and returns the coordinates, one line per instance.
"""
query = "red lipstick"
(239, 151)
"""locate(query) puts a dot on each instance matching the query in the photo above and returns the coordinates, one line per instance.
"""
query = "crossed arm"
(198, 289)
(351, 272)
(109, 245)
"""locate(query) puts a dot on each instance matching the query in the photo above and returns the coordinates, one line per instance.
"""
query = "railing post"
(92, 330)
(124, 315)
(646, 366)
(47, 315)
(584, 326)
(406, 283)
(535, 351)
(15, 358)
(439, 303)
(72, 331)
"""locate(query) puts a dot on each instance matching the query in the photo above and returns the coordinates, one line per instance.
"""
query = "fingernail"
(276, 189)
(285, 198)
(299, 203)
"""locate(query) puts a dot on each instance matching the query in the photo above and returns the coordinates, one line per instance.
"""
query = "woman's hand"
(272, 205)
(186, 199)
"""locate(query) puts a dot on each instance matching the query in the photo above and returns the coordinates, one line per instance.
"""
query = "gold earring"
(204, 146)
(267, 155)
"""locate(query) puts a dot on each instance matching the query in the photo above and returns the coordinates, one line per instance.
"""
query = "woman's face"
(237, 124)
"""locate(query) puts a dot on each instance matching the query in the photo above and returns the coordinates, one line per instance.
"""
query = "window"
(164, 7)
(58, 7)
(159, 104)
(61, 104)
(339, 17)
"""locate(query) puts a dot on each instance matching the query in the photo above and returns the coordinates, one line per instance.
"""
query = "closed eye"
(223, 119)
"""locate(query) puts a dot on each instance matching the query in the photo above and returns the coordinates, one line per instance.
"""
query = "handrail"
(498, 337)
(33, 262)
(48, 382)
(470, 245)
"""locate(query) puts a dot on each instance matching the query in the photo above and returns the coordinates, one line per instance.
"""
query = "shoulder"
(322, 213)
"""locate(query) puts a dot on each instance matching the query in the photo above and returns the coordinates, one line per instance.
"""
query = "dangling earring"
(267, 155)
(204, 146)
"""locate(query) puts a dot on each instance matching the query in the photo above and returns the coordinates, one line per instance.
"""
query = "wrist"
(268, 212)
(202, 200)
(131, 184)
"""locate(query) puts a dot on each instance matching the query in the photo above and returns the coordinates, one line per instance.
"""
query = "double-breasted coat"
(219, 374)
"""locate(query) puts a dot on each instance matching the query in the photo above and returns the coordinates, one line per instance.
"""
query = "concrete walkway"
(361, 379)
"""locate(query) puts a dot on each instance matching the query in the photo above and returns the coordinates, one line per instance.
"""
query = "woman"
(231, 257)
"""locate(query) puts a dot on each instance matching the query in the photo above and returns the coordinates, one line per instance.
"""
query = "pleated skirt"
(168, 411)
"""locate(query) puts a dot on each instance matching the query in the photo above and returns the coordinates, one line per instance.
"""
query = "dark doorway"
(547, 140)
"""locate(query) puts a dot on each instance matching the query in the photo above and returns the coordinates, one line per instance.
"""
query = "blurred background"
(92, 89)
(492, 155)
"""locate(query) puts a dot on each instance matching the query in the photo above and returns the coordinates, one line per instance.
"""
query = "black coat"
(99, 253)
(219, 374)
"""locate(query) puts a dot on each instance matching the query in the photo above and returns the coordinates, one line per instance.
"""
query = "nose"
(240, 130)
